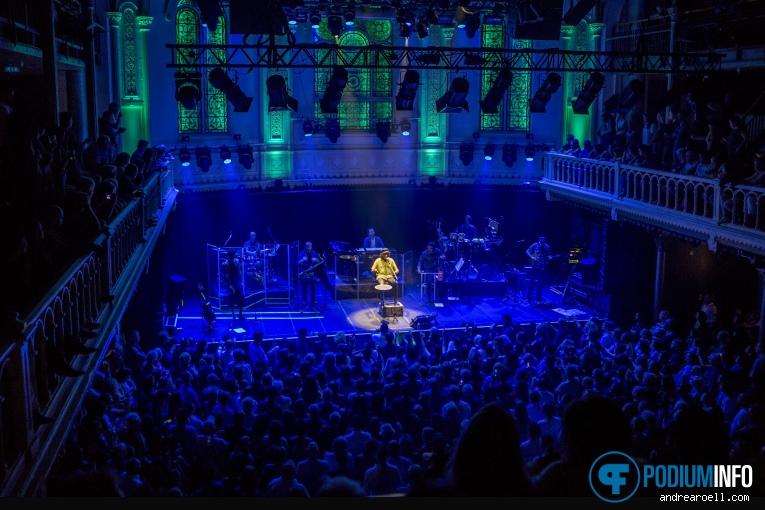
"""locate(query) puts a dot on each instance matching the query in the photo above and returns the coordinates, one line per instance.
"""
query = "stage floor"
(360, 316)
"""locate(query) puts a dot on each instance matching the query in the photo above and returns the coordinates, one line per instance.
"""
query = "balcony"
(690, 206)
(96, 288)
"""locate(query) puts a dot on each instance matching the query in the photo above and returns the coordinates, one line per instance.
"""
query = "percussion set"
(474, 253)
(256, 266)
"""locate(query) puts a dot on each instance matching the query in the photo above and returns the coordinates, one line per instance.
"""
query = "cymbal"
(223, 248)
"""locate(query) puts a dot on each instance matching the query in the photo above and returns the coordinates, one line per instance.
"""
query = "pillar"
(49, 108)
(661, 262)
(77, 102)
(433, 158)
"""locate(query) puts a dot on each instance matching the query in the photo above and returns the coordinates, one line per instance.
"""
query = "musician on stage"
(308, 261)
(430, 262)
(232, 273)
(468, 228)
(251, 246)
(539, 254)
(372, 240)
(385, 270)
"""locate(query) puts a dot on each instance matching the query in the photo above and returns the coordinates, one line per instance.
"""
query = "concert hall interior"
(479, 181)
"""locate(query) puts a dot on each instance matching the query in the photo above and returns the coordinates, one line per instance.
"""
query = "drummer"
(468, 229)
(251, 247)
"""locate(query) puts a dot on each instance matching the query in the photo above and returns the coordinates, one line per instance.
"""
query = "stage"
(362, 316)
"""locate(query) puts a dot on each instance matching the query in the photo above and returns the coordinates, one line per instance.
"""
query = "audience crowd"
(59, 195)
(505, 410)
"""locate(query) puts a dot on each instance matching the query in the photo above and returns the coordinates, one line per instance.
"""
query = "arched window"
(368, 96)
(210, 116)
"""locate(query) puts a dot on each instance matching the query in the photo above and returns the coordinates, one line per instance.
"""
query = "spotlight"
(588, 93)
(335, 24)
(184, 156)
(488, 151)
(538, 103)
(459, 17)
(509, 154)
(188, 89)
(221, 81)
(422, 30)
(315, 18)
(225, 155)
(466, 153)
(404, 30)
(502, 82)
(631, 95)
(401, 15)
(472, 24)
(204, 158)
(454, 99)
(245, 156)
(530, 152)
(332, 130)
(405, 126)
(383, 131)
(278, 99)
(430, 17)
(308, 127)
(334, 92)
(407, 90)
(349, 16)
(291, 18)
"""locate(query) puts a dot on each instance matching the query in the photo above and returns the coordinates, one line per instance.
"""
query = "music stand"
(435, 281)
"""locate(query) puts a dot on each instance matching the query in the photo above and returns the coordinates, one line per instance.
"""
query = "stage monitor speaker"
(578, 12)
(588, 269)
(174, 300)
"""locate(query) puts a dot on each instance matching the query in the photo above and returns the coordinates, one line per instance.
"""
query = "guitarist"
(539, 254)
(308, 262)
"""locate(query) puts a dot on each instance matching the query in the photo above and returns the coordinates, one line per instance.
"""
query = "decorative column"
(434, 153)
(144, 23)
(672, 12)
(596, 31)
(276, 160)
(49, 108)
(569, 85)
(115, 53)
(661, 262)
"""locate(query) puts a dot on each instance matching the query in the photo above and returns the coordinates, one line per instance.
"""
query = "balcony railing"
(678, 201)
(94, 288)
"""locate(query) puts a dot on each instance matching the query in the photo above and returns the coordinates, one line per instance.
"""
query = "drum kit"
(255, 268)
(463, 254)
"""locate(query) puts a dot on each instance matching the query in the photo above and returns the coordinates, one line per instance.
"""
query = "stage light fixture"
(530, 152)
(401, 15)
(538, 103)
(383, 131)
(495, 17)
(459, 17)
(278, 99)
(188, 89)
(245, 156)
(349, 16)
(203, 156)
(454, 100)
(588, 94)
(430, 17)
(225, 155)
(221, 81)
(315, 18)
(472, 24)
(488, 151)
(332, 130)
(291, 18)
(466, 153)
(405, 126)
(407, 90)
(335, 24)
(422, 30)
(307, 127)
(631, 95)
(184, 156)
(502, 82)
(334, 91)
(404, 30)
(509, 154)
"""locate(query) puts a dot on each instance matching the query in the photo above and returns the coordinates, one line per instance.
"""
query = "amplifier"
(391, 310)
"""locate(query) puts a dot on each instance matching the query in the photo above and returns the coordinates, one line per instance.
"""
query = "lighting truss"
(307, 56)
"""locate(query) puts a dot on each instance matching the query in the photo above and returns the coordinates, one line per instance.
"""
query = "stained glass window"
(367, 97)
(210, 116)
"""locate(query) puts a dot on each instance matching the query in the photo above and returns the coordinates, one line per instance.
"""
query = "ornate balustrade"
(36, 360)
(696, 206)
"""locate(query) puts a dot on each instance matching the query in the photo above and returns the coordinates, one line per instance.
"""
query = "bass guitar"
(207, 310)
(538, 263)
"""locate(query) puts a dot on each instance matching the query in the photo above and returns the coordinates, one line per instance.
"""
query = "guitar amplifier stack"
(391, 310)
